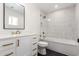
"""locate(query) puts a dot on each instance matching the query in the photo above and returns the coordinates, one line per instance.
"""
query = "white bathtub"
(65, 46)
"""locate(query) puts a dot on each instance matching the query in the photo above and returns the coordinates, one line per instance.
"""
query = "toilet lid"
(42, 42)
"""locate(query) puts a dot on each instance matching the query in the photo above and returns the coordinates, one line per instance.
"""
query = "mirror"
(13, 16)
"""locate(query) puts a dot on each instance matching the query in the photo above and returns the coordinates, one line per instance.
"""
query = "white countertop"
(3, 36)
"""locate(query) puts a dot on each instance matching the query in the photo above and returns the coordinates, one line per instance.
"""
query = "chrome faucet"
(44, 34)
(18, 32)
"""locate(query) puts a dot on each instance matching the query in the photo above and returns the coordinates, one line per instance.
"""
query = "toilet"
(42, 47)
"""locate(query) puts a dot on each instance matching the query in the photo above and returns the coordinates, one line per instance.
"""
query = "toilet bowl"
(42, 47)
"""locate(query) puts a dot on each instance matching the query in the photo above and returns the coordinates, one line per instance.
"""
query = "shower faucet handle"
(43, 32)
(78, 40)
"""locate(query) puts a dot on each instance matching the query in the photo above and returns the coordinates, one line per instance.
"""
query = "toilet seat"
(42, 44)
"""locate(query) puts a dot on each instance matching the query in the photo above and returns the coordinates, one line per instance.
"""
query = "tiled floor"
(52, 53)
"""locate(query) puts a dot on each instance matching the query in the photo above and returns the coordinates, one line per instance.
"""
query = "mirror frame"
(4, 19)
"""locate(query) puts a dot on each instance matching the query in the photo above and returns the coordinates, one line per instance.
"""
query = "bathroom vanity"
(19, 45)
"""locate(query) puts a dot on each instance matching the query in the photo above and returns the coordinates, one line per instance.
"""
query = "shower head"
(44, 17)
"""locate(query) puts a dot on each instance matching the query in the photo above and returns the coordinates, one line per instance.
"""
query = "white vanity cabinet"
(24, 46)
(27, 46)
(19, 46)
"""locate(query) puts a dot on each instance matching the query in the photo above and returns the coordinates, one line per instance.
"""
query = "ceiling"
(50, 7)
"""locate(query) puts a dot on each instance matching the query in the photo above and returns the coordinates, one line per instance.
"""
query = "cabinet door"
(24, 47)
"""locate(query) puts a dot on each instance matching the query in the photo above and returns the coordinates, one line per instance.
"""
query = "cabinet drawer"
(34, 43)
(7, 41)
(35, 39)
(10, 52)
(34, 46)
(7, 44)
(34, 53)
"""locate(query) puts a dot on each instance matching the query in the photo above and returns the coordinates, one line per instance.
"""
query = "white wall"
(77, 20)
(62, 23)
(32, 20)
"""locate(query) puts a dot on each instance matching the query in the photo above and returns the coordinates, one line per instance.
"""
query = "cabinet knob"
(34, 43)
(9, 54)
(8, 44)
(17, 43)
(34, 49)
(34, 38)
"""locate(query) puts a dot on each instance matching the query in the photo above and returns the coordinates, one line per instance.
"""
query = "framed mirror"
(13, 16)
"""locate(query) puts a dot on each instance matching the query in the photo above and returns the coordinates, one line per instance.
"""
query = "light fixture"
(49, 20)
(56, 6)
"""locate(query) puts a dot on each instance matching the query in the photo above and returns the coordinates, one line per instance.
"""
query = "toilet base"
(42, 50)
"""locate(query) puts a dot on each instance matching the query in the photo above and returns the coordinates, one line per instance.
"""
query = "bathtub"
(68, 47)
